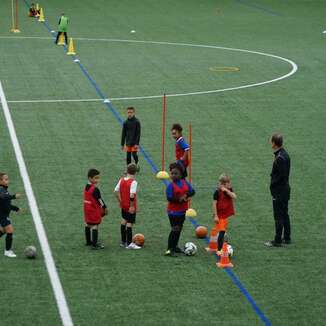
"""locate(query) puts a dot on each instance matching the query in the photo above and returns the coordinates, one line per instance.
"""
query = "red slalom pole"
(163, 174)
(163, 131)
(190, 211)
(190, 153)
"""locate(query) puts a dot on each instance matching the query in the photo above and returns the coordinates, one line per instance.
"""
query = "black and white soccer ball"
(30, 252)
(190, 249)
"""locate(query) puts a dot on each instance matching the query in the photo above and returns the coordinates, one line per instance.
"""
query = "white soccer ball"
(30, 252)
(190, 249)
(230, 250)
(132, 31)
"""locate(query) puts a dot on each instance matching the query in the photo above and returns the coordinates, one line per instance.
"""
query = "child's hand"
(216, 219)
(183, 198)
(104, 212)
(18, 196)
(132, 210)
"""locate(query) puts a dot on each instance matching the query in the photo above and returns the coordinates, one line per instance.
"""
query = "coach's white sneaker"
(10, 253)
(133, 246)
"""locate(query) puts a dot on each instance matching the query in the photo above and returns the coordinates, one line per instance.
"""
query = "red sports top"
(92, 209)
(224, 205)
(125, 194)
(178, 192)
(180, 148)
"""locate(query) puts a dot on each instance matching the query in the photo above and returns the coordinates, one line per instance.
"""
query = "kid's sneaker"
(123, 244)
(10, 254)
(97, 246)
(133, 246)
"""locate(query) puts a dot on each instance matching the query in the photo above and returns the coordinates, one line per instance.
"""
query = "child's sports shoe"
(170, 253)
(178, 250)
(123, 244)
(133, 246)
(10, 254)
(97, 246)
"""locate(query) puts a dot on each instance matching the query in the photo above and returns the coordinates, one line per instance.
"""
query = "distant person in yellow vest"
(63, 26)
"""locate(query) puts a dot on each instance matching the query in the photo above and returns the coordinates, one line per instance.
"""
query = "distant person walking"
(63, 26)
(280, 190)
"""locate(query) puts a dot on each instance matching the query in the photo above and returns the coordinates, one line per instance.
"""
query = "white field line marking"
(292, 64)
(49, 262)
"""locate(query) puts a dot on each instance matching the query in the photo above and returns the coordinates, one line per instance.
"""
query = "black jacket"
(280, 188)
(130, 132)
(5, 202)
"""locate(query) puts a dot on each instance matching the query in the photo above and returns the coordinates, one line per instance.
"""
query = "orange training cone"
(224, 260)
(212, 247)
(71, 49)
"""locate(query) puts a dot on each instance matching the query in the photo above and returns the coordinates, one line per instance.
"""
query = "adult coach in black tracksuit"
(130, 136)
(280, 190)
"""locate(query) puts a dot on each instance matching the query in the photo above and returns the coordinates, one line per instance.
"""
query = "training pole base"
(15, 30)
(162, 175)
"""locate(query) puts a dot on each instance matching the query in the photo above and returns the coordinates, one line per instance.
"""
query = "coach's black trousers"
(282, 220)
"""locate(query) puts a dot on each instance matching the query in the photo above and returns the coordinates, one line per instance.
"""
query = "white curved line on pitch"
(292, 63)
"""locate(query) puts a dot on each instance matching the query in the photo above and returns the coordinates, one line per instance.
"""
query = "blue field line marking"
(237, 282)
(229, 272)
(259, 7)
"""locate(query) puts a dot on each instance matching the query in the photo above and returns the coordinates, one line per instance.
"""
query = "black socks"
(123, 233)
(94, 237)
(129, 235)
(8, 241)
(135, 156)
(88, 235)
(173, 240)
(220, 240)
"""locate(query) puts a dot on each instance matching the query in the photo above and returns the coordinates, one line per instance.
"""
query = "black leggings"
(176, 223)
(134, 155)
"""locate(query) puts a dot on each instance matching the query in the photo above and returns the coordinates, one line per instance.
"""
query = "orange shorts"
(222, 224)
(130, 149)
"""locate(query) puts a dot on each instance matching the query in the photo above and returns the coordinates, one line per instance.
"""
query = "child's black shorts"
(4, 221)
(130, 218)
(176, 219)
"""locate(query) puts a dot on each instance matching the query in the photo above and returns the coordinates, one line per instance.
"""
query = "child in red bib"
(94, 209)
(178, 194)
(223, 207)
(126, 193)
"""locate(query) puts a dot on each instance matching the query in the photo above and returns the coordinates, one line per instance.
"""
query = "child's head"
(131, 169)
(4, 179)
(176, 171)
(176, 130)
(224, 180)
(130, 112)
(93, 176)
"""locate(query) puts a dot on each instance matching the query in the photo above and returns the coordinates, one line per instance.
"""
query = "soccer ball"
(201, 231)
(30, 252)
(190, 249)
(138, 239)
(230, 250)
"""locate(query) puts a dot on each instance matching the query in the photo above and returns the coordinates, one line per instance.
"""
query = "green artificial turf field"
(61, 140)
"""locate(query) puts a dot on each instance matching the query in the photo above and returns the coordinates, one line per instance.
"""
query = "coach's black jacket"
(130, 132)
(5, 202)
(280, 188)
